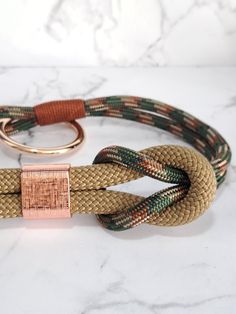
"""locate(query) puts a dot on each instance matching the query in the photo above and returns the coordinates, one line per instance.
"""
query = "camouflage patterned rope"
(173, 165)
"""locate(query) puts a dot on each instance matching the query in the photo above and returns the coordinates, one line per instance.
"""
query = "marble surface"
(118, 32)
(77, 267)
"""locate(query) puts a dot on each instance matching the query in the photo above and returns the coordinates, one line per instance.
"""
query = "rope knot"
(191, 172)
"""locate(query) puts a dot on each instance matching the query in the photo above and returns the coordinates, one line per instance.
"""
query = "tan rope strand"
(87, 180)
(89, 202)
(81, 178)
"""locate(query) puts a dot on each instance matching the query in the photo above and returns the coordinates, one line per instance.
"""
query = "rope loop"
(192, 174)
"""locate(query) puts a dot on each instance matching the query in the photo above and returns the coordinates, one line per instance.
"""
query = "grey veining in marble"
(75, 266)
(118, 33)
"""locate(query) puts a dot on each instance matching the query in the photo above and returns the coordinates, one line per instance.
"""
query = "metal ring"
(58, 150)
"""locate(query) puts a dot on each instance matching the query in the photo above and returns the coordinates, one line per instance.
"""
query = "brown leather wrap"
(59, 111)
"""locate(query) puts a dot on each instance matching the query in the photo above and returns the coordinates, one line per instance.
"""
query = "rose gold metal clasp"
(43, 150)
(45, 191)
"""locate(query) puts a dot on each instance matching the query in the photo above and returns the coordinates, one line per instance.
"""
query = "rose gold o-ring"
(58, 150)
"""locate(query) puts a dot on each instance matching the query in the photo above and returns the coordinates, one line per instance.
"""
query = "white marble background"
(77, 267)
(57, 49)
(117, 32)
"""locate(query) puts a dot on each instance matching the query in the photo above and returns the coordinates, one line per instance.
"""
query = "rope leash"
(194, 175)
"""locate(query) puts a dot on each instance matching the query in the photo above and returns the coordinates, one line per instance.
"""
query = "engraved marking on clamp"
(45, 191)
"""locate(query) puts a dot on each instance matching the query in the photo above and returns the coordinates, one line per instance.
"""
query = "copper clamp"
(45, 191)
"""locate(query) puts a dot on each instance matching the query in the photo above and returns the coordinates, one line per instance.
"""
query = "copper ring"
(58, 150)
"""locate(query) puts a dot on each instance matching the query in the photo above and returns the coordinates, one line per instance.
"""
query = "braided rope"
(182, 203)
(86, 196)
(194, 177)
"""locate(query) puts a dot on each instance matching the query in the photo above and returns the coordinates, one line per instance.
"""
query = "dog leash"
(53, 191)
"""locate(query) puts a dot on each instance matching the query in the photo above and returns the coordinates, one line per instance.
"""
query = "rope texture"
(128, 210)
(194, 177)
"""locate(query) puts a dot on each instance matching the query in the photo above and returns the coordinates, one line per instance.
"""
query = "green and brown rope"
(191, 176)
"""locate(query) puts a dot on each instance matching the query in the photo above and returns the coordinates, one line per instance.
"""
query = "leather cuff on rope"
(59, 111)
(194, 176)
